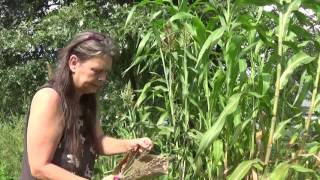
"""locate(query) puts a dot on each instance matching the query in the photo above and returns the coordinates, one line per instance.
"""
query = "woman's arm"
(45, 128)
(107, 145)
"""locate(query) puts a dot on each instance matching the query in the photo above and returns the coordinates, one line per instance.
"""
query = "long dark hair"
(84, 45)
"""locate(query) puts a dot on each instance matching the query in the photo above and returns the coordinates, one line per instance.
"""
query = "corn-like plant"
(224, 84)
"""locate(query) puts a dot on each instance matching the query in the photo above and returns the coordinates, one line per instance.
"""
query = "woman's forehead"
(101, 62)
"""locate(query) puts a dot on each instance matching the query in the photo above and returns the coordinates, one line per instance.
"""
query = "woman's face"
(89, 75)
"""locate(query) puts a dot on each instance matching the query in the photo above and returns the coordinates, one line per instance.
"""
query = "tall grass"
(11, 147)
(222, 93)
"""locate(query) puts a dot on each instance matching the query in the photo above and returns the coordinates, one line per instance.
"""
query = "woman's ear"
(73, 63)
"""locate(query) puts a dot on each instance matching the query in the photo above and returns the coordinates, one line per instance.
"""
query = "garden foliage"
(220, 86)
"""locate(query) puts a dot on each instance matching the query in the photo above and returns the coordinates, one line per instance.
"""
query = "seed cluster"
(142, 165)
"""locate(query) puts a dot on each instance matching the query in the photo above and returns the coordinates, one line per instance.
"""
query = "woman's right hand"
(140, 143)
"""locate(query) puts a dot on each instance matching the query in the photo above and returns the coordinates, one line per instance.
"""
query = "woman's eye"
(96, 71)
(99, 72)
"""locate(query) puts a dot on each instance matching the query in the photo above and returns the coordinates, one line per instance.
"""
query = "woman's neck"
(78, 94)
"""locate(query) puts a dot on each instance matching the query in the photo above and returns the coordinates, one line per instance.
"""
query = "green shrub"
(18, 84)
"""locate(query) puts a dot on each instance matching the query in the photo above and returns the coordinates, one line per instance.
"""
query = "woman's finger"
(149, 142)
(146, 143)
(142, 144)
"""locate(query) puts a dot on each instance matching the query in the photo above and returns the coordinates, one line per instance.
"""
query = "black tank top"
(81, 166)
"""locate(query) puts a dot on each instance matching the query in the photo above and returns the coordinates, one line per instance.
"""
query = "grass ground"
(11, 148)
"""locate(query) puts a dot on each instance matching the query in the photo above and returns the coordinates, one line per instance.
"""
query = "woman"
(63, 136)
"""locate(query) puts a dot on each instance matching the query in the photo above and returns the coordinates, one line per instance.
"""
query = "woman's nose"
(102, 77)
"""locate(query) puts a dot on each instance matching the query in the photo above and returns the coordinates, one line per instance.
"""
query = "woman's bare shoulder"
(47, 95)
(46, 103)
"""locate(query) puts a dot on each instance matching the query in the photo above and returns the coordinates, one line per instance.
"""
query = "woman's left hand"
(141, 143)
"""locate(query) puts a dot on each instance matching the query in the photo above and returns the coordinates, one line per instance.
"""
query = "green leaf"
(246, 21)
(136, 61)
(165, 130)
(162, 118)
(248, 48)
(304, 85)
(200, 30)
(242, 169)
(143, 94)
(211, 134)
(300, 32)
(130, 16)
(280, 172)
(242, 65)
(144, 116)
(217, 151)
(217, 81)
(312, 4)
(238, 130)
(297, 60)
(317, 102)
(255, 2)
(285, 18)
(281, 126)
(255, 94)
(160, 88)
(313, 148)
(155, 15)
(264, 83)
(143, 43)
(213, 38)
(302, 18)
(278, 132)
(190, 29)
(180, 16)
(302, 169)
(194, 134)
(231, 57)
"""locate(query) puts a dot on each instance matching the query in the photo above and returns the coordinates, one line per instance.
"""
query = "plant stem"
(185, 91)
(253, 134)
(281, 38)
(169, 86)
(255, 112)
(274, 115)
(225, 161)
(313, 99)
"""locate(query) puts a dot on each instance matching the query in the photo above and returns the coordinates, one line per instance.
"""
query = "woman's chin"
(95, 89)
(90, 89)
